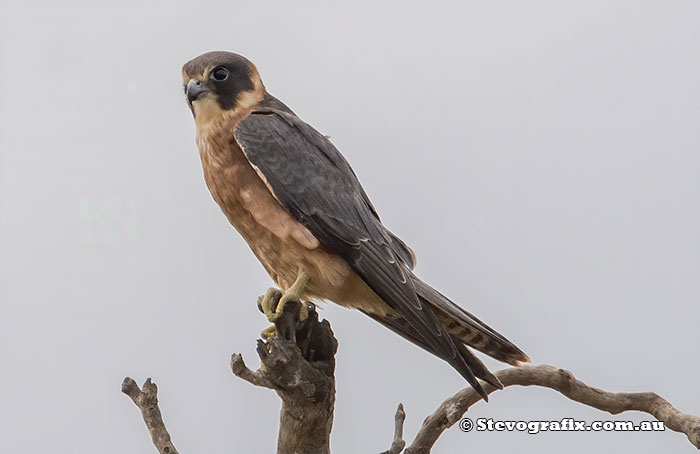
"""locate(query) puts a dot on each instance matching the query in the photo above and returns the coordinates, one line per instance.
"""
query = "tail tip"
(526, 359)
(522, 358)
(482, 393)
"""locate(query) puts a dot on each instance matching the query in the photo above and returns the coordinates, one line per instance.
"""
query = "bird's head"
(219, 82)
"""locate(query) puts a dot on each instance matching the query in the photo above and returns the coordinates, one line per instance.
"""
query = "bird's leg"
(293, 293)
(267, 304)
(273, 301)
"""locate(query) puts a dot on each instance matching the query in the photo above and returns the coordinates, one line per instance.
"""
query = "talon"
(269, 332)
(273, 301)
(269, 302)
(287, 297)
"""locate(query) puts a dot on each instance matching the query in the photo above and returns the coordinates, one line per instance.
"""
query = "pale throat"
(206, 111)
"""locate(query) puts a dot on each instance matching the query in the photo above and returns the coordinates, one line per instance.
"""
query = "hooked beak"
(195, 90)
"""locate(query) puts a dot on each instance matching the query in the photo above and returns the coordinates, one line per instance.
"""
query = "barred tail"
(468, 329)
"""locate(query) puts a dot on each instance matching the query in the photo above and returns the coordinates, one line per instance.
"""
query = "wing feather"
(313, 181)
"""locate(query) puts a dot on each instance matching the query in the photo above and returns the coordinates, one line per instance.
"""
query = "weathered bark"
(452, 410)
(147, 401)
(398, 444)
(299, 364)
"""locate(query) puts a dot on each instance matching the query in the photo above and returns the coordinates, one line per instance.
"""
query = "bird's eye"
(219, 74)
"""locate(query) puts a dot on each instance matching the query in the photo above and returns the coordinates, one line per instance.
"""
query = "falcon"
(300, 207)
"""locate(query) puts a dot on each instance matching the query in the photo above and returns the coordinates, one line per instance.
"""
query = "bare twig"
(240, 370)
(452, 410)
(147, 401)
(398, 444)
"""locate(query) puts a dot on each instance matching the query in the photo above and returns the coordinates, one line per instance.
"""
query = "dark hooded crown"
(239, 72)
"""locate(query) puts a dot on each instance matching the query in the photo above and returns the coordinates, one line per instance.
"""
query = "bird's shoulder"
(311, 177)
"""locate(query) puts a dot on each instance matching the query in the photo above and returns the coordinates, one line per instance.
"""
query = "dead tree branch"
(398, 444)
(299, 365)
(452, 410)
(147, 401)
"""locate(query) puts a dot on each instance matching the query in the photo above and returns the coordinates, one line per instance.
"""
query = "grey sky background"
(541, 158)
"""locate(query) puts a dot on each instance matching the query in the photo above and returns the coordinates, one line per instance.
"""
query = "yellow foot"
(273, 301)
(269, 332)
(269, 302)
